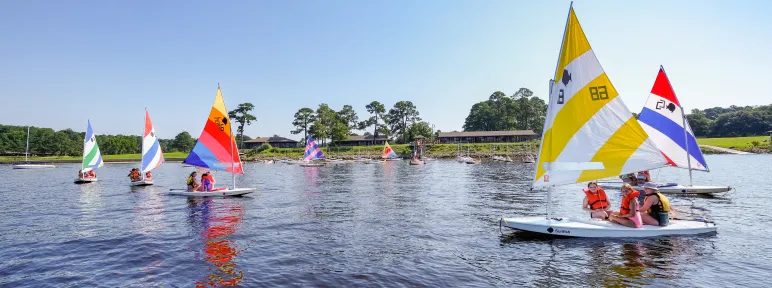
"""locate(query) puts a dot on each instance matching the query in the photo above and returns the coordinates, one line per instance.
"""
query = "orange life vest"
(625, 209)
(597, 200)
(148, 175)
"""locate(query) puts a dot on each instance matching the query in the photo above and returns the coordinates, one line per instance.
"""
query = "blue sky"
(64, 62)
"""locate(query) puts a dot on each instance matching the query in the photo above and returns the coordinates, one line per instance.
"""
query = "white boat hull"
(220, 193)
(85, 180)
(593, 228)
(311, 165)
(675, 189)
(33, 166)
(142, 183)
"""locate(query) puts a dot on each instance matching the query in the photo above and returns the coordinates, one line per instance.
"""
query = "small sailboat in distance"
(152, 156)
(312, 153)
(216, 150)
(388, 153)
(590, 134)
(29, 165)
(92, 158)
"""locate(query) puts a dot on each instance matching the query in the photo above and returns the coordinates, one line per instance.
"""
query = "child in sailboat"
(628, 214)
(148, 175)
(656, 205)
(193, 182)
(207, 182)
(80, 174)
(134, 174)
(595, 201)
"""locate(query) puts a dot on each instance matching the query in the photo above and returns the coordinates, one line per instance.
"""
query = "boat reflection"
(215, 220)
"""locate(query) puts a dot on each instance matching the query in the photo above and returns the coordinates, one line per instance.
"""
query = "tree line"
(401, 123)
(46, 141)
(731, 122)
(521, 111)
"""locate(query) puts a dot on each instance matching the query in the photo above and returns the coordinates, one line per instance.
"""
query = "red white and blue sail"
(152, 156)
(663, 119)
(312, 150)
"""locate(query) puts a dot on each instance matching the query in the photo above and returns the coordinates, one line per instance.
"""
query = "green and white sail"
(92, 158)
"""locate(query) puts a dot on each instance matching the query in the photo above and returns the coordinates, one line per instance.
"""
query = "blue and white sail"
(152, 156)
(312, 150)
(664, 120)
(92, 158)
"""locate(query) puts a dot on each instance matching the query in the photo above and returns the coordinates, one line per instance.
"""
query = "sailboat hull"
(142, 183)
(593, 228)
(33, 166)
(220, 193)
(85, 180)
(672, 188)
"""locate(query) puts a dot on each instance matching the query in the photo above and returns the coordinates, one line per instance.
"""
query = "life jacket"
(191, 181)
(597, 200)
(663, 204)
(625, 209)
(91, 173)
(206, 183)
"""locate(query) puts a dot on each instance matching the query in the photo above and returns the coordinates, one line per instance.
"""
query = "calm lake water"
(363, 225)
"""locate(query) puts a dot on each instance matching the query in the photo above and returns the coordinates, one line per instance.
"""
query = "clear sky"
(63, 62)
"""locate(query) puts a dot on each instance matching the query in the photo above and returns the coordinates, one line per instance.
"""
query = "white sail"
(92, 158)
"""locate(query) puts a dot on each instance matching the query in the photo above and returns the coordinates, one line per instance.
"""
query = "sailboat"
(388, 153)
(590, 134)
(27, 164)
(664, 119)
(92, 158)
(216, 150)
(312, 153)
(152, 156)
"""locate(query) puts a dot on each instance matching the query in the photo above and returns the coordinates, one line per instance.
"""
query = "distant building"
(487, 136)
(368, 140)
(275, 141)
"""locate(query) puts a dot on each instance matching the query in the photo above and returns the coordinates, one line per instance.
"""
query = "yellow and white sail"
(589, 133)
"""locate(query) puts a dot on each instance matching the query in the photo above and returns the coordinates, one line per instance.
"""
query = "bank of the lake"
(753, 144)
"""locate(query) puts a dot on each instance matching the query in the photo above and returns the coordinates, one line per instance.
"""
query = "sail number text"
(598, 93)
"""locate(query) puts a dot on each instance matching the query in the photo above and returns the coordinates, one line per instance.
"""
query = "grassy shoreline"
(754, 144)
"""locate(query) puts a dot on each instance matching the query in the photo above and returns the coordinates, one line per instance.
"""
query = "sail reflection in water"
(217, 221)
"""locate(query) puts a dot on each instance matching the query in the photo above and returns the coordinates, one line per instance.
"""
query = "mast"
(26, 152)
(557, 66)
(686, 142)
(233, 165)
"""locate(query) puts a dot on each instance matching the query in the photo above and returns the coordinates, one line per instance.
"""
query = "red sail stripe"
(663, 89)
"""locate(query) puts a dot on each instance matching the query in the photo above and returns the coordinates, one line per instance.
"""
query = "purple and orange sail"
(216, 147)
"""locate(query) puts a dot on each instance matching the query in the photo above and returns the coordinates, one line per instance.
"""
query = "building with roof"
(274, 141)
(487, 136)
(368, 140)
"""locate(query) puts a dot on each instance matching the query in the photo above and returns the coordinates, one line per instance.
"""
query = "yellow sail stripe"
(615, 152)
(574, 44)
(576, 112)
(219, 112)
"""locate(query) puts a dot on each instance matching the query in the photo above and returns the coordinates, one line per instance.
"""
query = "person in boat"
(91, 174)
(192, 182)
(640, 180)
(628, 214)
(134, 174)
(645, 174)
(80, 174)
(207, 182)
(148, 175)
(656, 205)
(595, 201)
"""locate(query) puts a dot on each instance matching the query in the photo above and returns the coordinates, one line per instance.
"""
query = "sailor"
(192, 182)
(595, 201)
(656, 205)
(628, 214)
(207, 182)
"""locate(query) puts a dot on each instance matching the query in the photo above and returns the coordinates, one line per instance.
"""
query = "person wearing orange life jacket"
(628, 214)
(595, 201)
(91, 174)
(148, 175)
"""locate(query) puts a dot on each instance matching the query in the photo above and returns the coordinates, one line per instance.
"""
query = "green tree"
(401, 117)
(183, 142)
(327, 119)
(304, 118)
(348, 117)
(421, 129)
(522, 111)
(241, 115)
(377, 110)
